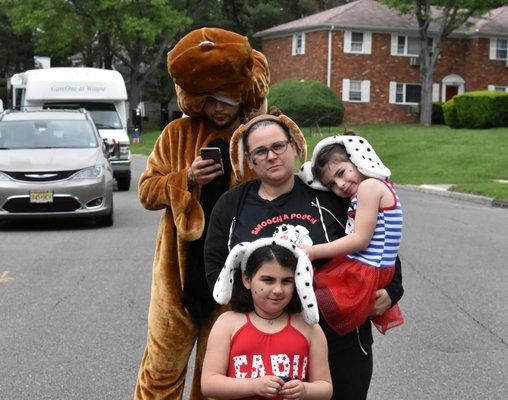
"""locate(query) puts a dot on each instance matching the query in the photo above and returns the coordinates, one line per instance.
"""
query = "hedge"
(477, 109)
(307, 102)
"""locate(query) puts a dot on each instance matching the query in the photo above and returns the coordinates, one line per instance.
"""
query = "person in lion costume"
(220, 81)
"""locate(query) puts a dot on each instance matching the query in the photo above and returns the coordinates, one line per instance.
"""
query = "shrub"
(450, 114)
(478, 109)
(437, 113)
(307, 102)
(482, 109)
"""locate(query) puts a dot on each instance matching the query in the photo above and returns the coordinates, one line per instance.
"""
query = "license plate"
(41, 197)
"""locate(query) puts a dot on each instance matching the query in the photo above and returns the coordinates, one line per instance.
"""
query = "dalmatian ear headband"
(360, 152)
(238, 257)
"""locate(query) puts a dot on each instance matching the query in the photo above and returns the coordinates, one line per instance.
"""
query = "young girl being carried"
(270, 345)
(363, 261)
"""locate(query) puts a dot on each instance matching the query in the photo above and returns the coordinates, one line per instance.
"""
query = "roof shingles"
(372, 15)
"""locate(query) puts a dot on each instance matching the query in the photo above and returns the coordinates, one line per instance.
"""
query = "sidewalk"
(442, 190)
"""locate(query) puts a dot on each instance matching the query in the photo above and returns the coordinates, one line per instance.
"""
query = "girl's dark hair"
(326, 154)
(324, 157)
(241, 299)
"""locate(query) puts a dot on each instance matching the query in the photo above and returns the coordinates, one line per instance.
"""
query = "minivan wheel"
(124, 182)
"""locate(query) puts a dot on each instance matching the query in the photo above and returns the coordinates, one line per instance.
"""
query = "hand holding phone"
(212, 153)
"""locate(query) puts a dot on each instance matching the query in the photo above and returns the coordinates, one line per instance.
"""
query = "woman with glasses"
(278, 204)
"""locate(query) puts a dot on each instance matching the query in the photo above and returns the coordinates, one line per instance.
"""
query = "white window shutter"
(293, 47)
(492, 50)
(435, 92)
(345, 89)
(365, 91)
(347, 41)
(303, 43)
(367, 43)
(393, 50)
(393, 91)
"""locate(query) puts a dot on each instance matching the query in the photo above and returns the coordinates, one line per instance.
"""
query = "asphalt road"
(73, 318)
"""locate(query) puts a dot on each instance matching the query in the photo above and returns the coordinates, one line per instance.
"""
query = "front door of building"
(451, 91)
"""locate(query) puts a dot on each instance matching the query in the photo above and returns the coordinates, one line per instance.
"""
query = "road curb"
(473, 198)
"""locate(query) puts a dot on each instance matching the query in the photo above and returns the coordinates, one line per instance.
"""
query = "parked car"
(53, 163)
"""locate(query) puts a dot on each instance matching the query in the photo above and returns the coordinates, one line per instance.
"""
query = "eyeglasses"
(261, 153)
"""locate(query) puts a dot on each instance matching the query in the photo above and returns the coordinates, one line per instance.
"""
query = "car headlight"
(4, 177)
(89, 173)
(124, 151)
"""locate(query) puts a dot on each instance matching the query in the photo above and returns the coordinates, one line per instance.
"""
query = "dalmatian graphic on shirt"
(296, 234)
(350, 226)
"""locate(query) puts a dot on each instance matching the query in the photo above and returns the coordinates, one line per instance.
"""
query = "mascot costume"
(207, 62)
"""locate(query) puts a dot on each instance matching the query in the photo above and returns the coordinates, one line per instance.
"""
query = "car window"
(104, 115)
(46, 134)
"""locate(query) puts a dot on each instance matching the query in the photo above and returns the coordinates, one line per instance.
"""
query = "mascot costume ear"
(237, 259)
(360, 152)
(236, 148)
(215, 62)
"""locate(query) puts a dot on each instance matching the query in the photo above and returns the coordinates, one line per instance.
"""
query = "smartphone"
(212, 153)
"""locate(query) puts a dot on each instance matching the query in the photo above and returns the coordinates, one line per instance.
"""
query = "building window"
(405, 93)
(498, 88)
(401, 45)
(298, 43)
(407, 45)
(357, 42)
(498, 49)
(355, 91)
(502, 49)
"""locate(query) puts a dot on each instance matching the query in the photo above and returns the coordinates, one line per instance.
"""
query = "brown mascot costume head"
(212, 61)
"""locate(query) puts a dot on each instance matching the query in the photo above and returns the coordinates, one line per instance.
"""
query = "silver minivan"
(53, 163)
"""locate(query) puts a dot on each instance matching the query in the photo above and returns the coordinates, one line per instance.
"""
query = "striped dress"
(346, 286)
(384, 246)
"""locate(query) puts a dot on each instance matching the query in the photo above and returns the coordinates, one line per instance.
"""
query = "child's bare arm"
(215, 383)
(370, 193)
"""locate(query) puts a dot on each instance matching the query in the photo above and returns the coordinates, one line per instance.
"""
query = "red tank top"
(254, 353)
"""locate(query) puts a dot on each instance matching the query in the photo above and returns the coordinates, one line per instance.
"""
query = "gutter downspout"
(329, 61)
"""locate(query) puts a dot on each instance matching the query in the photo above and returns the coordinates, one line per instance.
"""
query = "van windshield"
(103, 114)
(42, 134)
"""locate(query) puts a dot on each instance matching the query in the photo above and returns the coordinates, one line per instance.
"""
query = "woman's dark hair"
(241, 299)
(263, 124)
(326, 154)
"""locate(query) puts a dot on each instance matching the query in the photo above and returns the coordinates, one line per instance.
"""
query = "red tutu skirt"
(345, 292)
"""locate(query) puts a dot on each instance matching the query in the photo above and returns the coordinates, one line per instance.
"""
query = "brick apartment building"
(368, 54)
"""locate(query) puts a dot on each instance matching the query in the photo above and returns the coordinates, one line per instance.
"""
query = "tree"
(148, 31)
(16, 52)
(446, 16)
(136, 33)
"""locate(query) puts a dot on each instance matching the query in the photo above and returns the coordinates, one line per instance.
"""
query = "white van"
(102, 92)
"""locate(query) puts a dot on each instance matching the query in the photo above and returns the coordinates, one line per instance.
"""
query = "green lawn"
(468, 159)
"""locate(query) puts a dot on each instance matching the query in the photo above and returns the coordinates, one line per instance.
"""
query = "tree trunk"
(426, 96)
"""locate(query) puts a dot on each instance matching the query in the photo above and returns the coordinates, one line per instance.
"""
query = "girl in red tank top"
(264, 347)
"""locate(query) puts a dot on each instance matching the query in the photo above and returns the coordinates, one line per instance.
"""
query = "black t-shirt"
(288, 213)
(256, 218)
